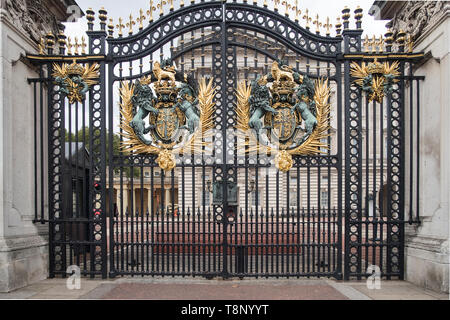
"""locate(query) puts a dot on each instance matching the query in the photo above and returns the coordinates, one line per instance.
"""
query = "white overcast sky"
(325, 8)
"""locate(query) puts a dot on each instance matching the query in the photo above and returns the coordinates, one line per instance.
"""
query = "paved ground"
(192, 289)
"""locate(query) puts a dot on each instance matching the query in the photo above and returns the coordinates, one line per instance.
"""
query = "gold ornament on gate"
(166, 160)
(291, 117)
(284, 161)
(376, 79)
(75, 80)
(178, 119)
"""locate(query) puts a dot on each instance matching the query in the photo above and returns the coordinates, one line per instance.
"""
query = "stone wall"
(427, 245)
(23, 244)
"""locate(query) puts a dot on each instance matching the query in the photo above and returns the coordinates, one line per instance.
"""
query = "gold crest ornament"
(75, 80)
(290, 118)
(179, 117)
(376, 79)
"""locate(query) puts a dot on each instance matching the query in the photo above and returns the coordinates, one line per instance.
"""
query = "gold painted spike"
(380, 44)
(83, 45)
(171, 5)
(160, 6)
(120, 27)
(287, 7)
(150, 11)
(141, 19)
(307, 18)
(317, 23)
(366, 44)
(373, 43)
(276, 3)
(76, 46)
(297, 11)
(328, 26)
(130, 25)
(69, 46)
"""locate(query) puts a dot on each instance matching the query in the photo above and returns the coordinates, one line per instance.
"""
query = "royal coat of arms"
(287, 113)
(172, 114)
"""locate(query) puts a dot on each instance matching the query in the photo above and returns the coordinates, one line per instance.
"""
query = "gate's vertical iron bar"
(111, 166)
(142, 214)
(172, 247)
(401, 187)
(299, 223)
(224, 46)
(41, 138)
(153, 214)
(308, 253)
(51, 159)
(265, 253)
(389, 188)
(74, 224)
(366, 139)
(411, 143)
(418, 153)
(374, 187)
(382, 188)
(35, 135)
(161, 231)
(287, 243)
(68, 215)
(183, 221)
(277, 243)
(337, 247)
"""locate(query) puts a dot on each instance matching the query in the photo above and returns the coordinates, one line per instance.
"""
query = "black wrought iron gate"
(226, 214)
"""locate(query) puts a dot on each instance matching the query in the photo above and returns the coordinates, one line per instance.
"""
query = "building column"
(150, 200)
(134, 201)
(168, 198)
(125, 200)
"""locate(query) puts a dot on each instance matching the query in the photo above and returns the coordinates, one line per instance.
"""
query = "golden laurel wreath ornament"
(75, 80)
(272, 119)
(376, 79)
(178, 119)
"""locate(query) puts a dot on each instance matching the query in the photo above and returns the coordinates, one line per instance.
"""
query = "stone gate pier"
(427, 245)
(23, 244)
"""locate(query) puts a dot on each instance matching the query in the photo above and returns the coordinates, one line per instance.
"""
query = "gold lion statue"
(279, 74)
(161, 74)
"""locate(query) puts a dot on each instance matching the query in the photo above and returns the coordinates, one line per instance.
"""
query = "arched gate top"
(217, 15)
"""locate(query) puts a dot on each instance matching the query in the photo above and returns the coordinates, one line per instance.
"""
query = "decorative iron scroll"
(375, 79)
(296, 112)
(180, 116)
(75, 80)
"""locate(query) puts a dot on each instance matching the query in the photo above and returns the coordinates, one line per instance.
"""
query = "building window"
(256, 195)
(324, 197)
(293, 198)
(207, 197)
(147, 174)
